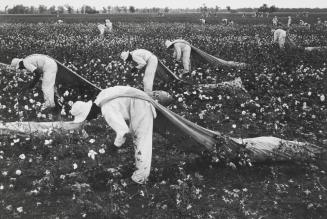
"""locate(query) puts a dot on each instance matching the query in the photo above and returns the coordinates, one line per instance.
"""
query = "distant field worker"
(280, 37)
(116, 111)
(203, 21)
(143, 58)
(103, 28)
(289, 21)
(40, 65)
(275, 21)
(182, 51)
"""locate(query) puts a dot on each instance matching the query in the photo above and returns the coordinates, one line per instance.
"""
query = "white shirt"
(38, 61)
(141, 57)
(117, 111)
(279, 34)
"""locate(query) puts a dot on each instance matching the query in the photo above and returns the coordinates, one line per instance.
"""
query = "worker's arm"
(36, 77)
(29, 66)
(178, 52)
(140, 61)
(116, 121)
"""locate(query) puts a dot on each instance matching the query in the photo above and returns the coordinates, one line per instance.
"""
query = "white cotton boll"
(22, 156)
(322, 98)
(92, 154)
(20, 209)
(47, 142)
(75, 166)
(102, 151)
(18, 172)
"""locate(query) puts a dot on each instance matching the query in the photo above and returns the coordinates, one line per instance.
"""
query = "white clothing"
(280, 37)
(107, 27)
(182, 50)
(101, 28)
(146, 58)
(49, 68)
(275, 21)
(140, 114)
(289, 22)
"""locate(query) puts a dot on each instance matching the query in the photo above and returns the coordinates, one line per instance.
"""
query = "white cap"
(15, 63)
(168, 43)
(107, 21)
(80, 110)
(124, 55)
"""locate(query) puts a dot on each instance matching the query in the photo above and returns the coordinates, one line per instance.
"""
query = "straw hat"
(124, 55)
(15, 63)
(80, 110)
(168, 44)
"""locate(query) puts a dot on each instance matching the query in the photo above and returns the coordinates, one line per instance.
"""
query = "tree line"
(86, 9)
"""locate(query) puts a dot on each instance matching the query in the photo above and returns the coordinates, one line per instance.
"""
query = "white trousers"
(141, 125)
(48, 83)
(150, 72)
(186, 54)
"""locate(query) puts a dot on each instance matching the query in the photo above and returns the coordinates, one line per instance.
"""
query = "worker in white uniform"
(289, 21)
(280, 37)
(143, 58)
(275, 21)
(116, 111)
(45, 66)
(182, 50)
(107, 27)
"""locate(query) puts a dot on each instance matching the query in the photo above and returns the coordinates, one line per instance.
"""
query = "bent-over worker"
(143, 58)
(45, 66)
(116, 110)
(281, 37)
(182, 50)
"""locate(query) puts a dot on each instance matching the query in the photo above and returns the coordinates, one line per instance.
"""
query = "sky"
(171, 3)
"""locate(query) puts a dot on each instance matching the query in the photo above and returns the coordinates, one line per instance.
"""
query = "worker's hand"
(134, 69)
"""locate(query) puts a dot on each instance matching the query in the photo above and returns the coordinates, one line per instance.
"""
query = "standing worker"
(116, 111)
(47, 67)
(275, 21)
(182, 49)
(289, 21)
(143, 58)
